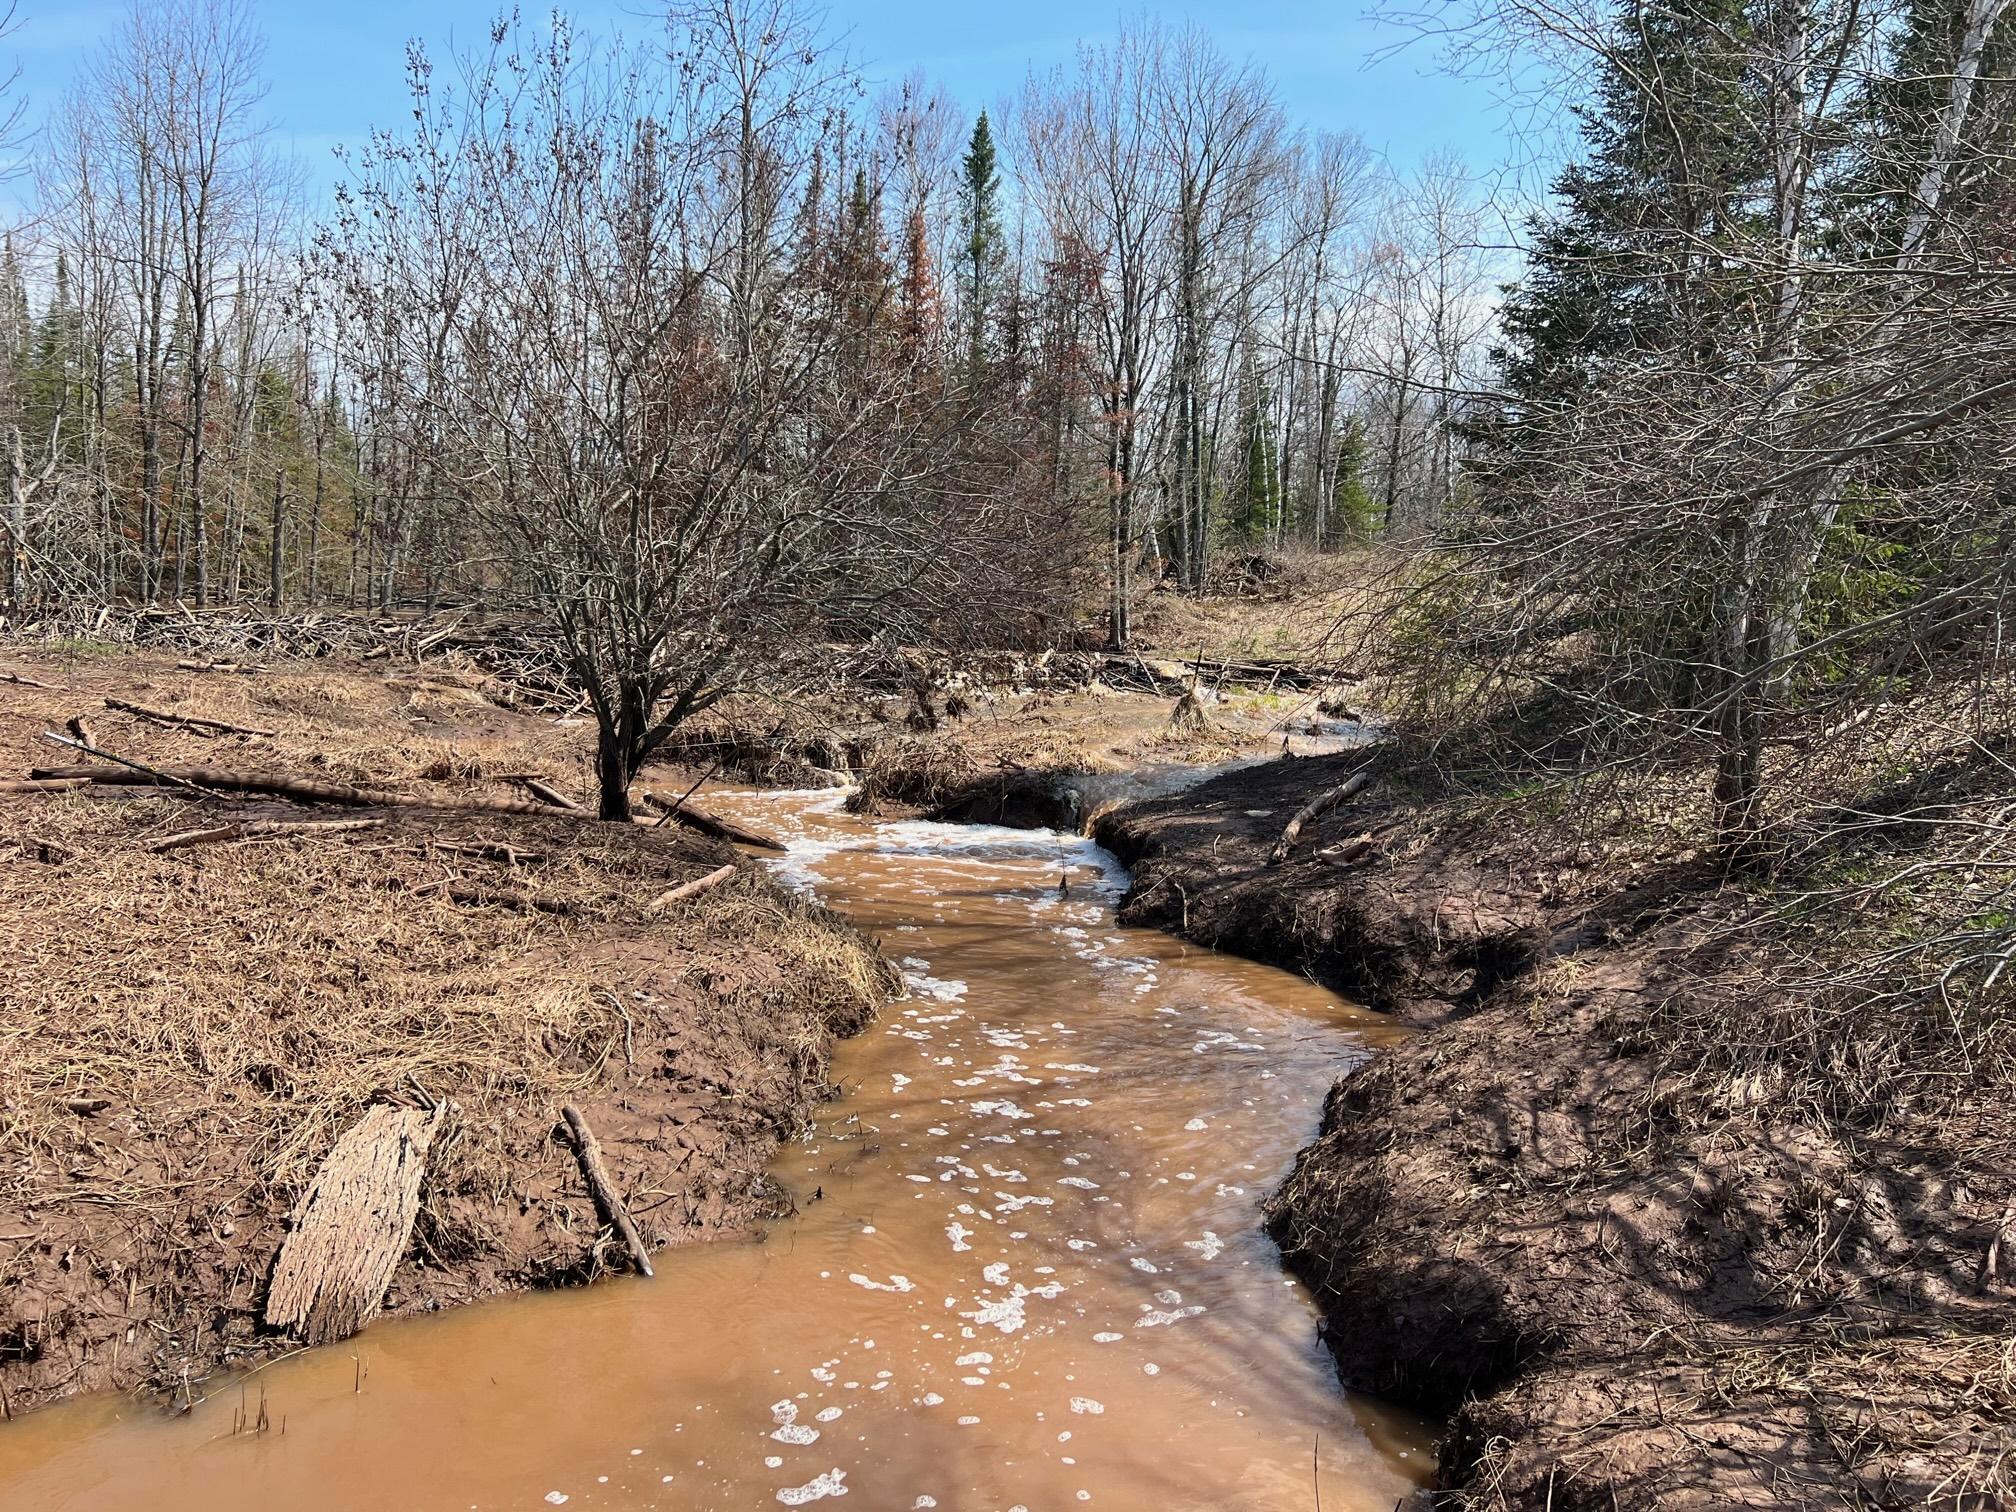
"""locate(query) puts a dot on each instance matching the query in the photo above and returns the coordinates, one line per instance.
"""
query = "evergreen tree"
(982, 246)
(1894, 120)
(1351, 503)
(1625, 264)
(1260, 486)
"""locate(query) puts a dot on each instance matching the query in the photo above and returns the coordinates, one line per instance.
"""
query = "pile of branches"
(522, 657)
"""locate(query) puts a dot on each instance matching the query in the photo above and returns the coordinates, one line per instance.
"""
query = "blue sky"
(337, 65)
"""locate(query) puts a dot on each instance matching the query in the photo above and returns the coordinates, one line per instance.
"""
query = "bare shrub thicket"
(1737, 552)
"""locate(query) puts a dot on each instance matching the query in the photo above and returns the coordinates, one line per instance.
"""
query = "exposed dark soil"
(185, 1033)
(1633, 1279)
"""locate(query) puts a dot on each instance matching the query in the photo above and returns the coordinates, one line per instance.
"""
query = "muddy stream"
(1027, 1270)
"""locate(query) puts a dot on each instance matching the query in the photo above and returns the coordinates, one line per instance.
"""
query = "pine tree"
(981, 243)
(919, 289)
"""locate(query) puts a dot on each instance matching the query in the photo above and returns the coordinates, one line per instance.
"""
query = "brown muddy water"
(1027, 1273)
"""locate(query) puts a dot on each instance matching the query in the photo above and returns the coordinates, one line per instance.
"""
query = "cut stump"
(351, 1226)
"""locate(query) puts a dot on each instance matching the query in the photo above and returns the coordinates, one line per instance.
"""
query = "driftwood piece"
(351, 1226)
(186, 721)
(546, 792)
(605, 1194)
(686, 889)
(684, 814)
(1350, 852)
(1316, 808)
(254, 828)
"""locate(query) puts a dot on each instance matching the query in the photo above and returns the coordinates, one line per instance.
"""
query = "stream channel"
(1027, 1272)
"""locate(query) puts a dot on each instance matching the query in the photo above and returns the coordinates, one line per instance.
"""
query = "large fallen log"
(604, 1191)
(1316, 808)
(351, 1226)
(301, 789)
(679, 812)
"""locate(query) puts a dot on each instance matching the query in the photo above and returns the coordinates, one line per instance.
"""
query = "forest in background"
(1166, 325)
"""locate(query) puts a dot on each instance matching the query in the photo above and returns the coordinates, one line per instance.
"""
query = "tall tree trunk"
(273, 587)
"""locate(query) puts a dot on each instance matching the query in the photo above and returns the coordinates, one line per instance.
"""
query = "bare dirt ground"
(1596, 1212)
(186, 1032)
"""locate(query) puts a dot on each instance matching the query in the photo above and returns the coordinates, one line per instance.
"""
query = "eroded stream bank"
(1027, 1269)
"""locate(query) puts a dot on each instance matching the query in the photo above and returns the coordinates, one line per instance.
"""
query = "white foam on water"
(832, 1483)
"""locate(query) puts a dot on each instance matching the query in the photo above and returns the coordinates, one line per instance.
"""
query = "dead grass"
(1296, 617)
(185, 1034)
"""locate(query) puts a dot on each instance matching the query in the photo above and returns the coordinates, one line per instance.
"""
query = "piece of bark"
(254, 828)
(26, 682)
(351, 1227)
(1316, 808)
(186, 721)
(603, 1190)
(550, 794)
(76, 726)
(688, 817)
(686, 889)
(42, 785)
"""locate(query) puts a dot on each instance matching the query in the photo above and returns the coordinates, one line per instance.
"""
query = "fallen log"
(43, 785)
(604, 1192)
(301, 789)
(125, 762)
(686, 889)
(507, 897)
(352, 1225)
(684, 814)
(1316, 808)
(186, 721)
(489, 850)
(546, 792)
(254, 828)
